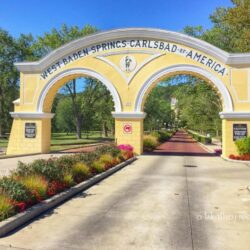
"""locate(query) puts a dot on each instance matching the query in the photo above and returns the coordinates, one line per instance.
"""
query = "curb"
(20, 219)
(206, 148)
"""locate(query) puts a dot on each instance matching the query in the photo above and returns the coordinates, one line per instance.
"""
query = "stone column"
(30, 133)
(129, 129)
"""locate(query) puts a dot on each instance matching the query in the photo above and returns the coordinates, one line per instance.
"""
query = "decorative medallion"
(128, 63)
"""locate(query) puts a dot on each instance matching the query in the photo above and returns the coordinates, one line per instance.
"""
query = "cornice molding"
(31, 115)
(235, 115)
(134, 33)
(129, 115)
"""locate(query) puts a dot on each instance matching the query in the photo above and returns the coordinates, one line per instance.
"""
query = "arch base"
(134, 137)
(228, 144)
(20, 144)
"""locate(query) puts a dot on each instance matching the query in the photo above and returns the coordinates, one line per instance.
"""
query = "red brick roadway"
(181, 144)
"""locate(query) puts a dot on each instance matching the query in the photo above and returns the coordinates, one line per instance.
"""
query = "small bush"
(37, 185)
(110, 149)
(149, 142)
(164, 136)
(107, 159)
(80, 171)
(200, 138)
(68, 180)
(55, 187)
(48, 168)
(98, 166)
(88, 158)
(6, 207)
(15, 190)
(66, 162)
(243, 145)
(22, 169)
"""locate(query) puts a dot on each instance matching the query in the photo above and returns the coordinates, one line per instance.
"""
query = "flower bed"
(243, 147)
(245, 157)
(32, 183)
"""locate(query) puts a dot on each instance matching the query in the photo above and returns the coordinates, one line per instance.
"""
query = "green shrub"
(243, 145)
(22, 169)
(80, 171)
(106, 158)
(164, 136)
(150, 142)
(200, 138)
(109, 149)
(88, 158)
(14, 189)
(6, 207)
(66, 162)
(48, 168)
(37, 185)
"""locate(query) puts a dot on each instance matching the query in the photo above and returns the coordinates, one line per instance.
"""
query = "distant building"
(174, 102)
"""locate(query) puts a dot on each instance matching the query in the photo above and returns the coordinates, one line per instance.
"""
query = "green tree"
(64, 118)
(8, 78)
(157, 107)
(231, 28)
(96, 106)
(51, 41)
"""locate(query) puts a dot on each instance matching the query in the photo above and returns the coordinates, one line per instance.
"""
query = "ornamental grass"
(80, 171)
(98, 166)
(107, 159)
(36, 184)
(6, 207)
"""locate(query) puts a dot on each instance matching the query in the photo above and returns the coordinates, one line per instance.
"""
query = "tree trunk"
(78, 118)
(78, 127)
(104, 129)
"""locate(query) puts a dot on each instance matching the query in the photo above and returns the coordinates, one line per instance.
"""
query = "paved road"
(181, 144)
(155, 203)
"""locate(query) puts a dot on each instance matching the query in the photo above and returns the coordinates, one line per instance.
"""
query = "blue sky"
(39, 16)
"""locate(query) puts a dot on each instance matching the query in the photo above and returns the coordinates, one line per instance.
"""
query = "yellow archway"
(129, 62)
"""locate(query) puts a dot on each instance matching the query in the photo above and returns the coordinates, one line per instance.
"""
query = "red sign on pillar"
(127, 128)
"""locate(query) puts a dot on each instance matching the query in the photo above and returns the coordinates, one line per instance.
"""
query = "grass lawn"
(3, 142)
(61, 141)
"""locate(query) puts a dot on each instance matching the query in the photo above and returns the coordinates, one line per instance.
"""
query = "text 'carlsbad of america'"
(133, 44)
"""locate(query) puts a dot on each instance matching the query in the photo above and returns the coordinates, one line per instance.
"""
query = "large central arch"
(129, 62)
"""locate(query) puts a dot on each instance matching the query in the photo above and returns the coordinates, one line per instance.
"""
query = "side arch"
(83, 72)
(227, 100)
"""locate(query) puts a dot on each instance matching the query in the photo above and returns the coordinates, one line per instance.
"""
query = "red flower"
(20, 206)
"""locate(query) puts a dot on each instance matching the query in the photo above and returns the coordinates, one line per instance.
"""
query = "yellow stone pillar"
(30, 133)
(129, 129)
(229, 119)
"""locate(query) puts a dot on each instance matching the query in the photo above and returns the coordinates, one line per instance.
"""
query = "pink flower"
(126, 147)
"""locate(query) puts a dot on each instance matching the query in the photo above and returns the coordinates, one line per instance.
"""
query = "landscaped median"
(41, 185)
(152, 140)
(200, 138)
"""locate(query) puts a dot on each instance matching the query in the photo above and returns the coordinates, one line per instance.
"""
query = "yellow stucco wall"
(127, 85)
(18, 144)
(135, 138)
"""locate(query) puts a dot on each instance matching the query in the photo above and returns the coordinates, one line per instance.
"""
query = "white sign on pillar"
(127, 128)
